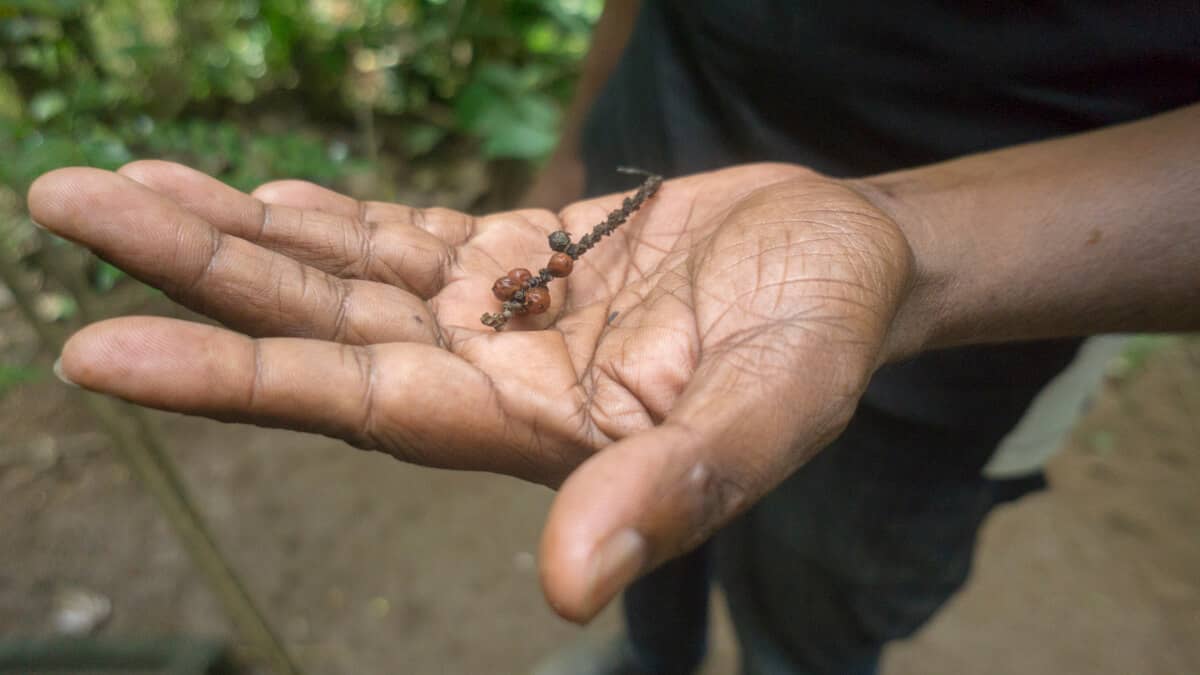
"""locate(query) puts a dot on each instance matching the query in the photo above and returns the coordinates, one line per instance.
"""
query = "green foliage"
(105, 276)
(11, 376)
(252, 90)
(503, 106)
(257, 89)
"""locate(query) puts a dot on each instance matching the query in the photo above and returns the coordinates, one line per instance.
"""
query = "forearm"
(1093, 233)
(561, 180)
(608, 41)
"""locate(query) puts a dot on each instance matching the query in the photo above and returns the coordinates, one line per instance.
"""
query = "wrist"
(922, 319)
(1072, 236)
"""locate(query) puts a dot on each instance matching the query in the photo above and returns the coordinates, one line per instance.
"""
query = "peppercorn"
(505, 287)
(559, 241)
(524, 292)
(520, 275)
(560, 264)
(537, 300)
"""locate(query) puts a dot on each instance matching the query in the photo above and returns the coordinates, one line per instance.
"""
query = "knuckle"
(280, 190)
(365, 433)
(706, 498)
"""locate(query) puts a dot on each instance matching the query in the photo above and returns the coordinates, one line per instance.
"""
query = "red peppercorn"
(520, 275)
(505, 287)
(560, 264)
(537, 300)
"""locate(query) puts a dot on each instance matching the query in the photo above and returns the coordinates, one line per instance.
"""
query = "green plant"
(253, 90)
(227, 85)
(13, 375)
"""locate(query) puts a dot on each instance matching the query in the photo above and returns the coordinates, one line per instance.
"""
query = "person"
(768, 302)
(855, 89)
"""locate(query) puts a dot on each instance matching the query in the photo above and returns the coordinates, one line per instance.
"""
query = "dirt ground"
(368, 566)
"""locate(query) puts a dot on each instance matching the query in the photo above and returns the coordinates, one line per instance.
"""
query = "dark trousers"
(666, 615)
(863, 544)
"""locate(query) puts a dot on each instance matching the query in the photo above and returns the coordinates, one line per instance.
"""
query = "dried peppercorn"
(559, 241)
(528, 291)
(505, 287)
(520, 275)
(560, 264)
(537, 300)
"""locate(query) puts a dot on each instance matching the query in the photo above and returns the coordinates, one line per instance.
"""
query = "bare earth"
(368, 566)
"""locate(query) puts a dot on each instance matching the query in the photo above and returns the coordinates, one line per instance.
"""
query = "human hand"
(689, 363)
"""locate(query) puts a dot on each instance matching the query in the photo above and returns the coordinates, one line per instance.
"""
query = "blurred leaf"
(106, 277)
(12, 107)
(12, 376)
(419, 139)
(47, 104)
(55, 8)
(53, 307)
(502, 78)
(105, 152)
(514, 121)
(520, 141)
(258, 89)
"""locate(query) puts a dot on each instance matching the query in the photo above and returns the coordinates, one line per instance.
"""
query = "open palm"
(687, 365)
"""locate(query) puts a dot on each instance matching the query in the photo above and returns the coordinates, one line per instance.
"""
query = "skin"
(690, 362)
(561, 180)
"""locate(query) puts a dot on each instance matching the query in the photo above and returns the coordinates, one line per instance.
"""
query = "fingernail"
(38, 225)
(615, 564)
(58, 372)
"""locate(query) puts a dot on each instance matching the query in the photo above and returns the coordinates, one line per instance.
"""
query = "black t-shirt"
(854, 87)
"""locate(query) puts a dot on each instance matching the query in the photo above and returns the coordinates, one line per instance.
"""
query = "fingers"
(301, 194)
(733, 435)
(406, 399)
(243, 285)
(390, 243)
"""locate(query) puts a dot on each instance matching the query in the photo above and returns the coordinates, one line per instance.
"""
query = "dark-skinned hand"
(689, 363)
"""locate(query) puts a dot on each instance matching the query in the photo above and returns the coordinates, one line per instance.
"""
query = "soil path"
(369, 566)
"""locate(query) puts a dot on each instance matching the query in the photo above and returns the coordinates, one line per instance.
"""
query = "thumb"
(657, 494)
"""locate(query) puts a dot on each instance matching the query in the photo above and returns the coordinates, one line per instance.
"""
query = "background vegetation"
(424, 101)
(256, 89)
